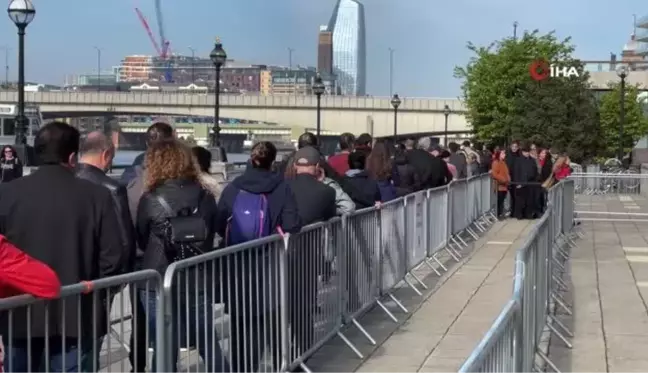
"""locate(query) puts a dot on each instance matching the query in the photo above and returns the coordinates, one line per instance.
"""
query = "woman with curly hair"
(175, 220)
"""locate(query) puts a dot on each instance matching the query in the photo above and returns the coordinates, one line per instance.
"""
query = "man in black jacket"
(525, 178)
(97, 153)
(512, 155)
(432, 171)
(69, 224)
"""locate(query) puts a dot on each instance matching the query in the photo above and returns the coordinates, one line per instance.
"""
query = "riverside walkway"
(609, 288)
(446, 323)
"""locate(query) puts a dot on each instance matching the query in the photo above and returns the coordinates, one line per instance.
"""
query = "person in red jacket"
(561, 169)
(340, 162)
(22, 274)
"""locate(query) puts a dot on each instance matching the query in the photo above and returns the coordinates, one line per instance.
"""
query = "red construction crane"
(163, 52)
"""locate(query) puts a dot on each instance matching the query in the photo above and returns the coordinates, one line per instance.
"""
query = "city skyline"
(349, 63)
(429, 38)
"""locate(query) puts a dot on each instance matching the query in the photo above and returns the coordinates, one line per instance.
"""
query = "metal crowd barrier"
(516, 336)
(604, 183)
(265, 305)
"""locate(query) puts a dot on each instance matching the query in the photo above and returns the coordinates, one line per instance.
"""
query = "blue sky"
(429, 35)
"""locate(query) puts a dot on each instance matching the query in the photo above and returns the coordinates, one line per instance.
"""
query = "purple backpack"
(250, 218)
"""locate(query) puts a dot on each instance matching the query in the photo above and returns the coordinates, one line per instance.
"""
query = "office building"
(265, 85)
(347, 25)
(297, 81)
(325, 51)
(135, 68)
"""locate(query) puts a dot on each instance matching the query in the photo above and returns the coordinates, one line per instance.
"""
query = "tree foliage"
(503, 101)
(635, 124)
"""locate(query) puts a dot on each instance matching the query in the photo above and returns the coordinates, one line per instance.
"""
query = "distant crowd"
(69, 222)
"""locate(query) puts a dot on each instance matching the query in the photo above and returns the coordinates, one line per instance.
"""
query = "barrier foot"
(409, 283)
(363, 331)
(462, 240)
(418, 280)
(472, 233)
(459, 244)
(348, 343)
(571, 242)
(560, 266)
(560, 336)
(562, 303)
(479, 226)
(398, 303)
(562, 253)
(561, 285)
(439, 263)
(455, 255)
(427, 261)
(387, 311)
(562, 326)
(546, 359)
(305, 368)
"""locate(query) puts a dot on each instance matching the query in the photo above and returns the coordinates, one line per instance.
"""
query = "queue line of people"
(84, 225)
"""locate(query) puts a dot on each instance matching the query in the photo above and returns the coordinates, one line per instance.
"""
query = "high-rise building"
(325, 51)
(349, 47)
(135, 68)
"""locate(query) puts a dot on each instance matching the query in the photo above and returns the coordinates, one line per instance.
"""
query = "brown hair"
(263, 155)
(167, 160)
(379, 163)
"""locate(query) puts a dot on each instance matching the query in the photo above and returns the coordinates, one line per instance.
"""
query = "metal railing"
(516, 336)
(269, 304)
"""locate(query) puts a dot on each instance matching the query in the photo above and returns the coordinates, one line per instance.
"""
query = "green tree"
(503, 101)
(635, 125)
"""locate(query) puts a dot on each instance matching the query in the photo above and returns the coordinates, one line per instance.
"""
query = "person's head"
(357, 160)
(454, 147)
(57, 143)
(543, 154)
(307, 161)
(157, 132)
(515, 146)
(263, 155)
(97, 149)
(409, 144)
(466, 144)
(347, 140)
(307, 139)
(203, 158)
(9, 153)
(472, 158)
(445, 155)
(525, 150)
(425, 143)
(480, 146)
(364, 141)
(500, 155)
(561, 161)
(533, 147)
(400, 146)
(379, 161)
(435, 150)
(168, 159)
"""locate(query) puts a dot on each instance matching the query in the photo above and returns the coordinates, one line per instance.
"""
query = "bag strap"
(165, 205)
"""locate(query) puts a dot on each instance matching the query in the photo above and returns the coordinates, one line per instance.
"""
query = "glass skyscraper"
(349, 47)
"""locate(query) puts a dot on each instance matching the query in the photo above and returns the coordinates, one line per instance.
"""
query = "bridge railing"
(516, 336)
(275, 301)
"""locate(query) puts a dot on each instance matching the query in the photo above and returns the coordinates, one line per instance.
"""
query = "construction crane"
(164, 50)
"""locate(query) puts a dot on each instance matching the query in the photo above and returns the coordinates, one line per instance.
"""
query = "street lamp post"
(193, 65)
(446, 113)
(622, 72)
(318, 90)
(21, 12)
(395, 101)
(98, 68)
(218, 57)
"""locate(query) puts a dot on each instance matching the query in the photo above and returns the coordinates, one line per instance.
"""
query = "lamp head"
(446, 110)
(218, 55)
(396, 101)
(318, 86)
(21, 12)
(622, 71)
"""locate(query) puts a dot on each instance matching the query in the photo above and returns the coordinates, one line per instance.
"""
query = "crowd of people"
(71, 218)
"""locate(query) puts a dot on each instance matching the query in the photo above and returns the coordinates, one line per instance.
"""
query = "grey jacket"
(135, 189)
(343, 203)
(459, 161)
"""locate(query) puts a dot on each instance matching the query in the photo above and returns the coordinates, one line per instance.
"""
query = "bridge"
(338, 114)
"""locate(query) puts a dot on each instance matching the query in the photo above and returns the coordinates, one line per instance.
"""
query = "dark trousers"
(193, 320)
(512, 190)
(524, 203)
(63, 355)
(249, 337)
(138, 344)
(501, 197)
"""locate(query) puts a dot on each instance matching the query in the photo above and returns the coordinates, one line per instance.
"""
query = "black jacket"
(315, 200)
(511, 158)
(546, 169)
(11, 169)
(69, 224)
(151, 216)
(525, 171)
(432, 171)
(120, 203)
(370, 191)
(130, 172)
(408, 179)
(281, 201)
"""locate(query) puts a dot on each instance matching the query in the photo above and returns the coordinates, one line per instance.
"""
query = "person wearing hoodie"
(459, 160)
(359, 178)
(340, 162)
(12, 168)
(250, 305)
(408, 179)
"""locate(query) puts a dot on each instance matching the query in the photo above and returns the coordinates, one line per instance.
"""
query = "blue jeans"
(197, 305)
(63, 355)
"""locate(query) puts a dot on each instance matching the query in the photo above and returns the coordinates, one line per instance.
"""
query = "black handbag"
(183, 231)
